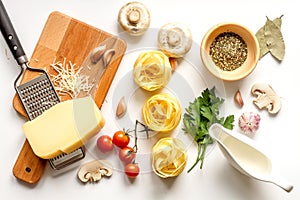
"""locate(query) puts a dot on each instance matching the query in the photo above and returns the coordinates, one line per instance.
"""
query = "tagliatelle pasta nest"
(152, 70)
(168, 157)
(162, 112)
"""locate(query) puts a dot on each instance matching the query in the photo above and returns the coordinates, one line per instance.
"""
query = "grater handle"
(11, 37)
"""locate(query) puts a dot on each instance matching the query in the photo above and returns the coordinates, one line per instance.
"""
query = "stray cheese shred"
(162, 112)
(68, 80)
(168, 157)
(152, 70)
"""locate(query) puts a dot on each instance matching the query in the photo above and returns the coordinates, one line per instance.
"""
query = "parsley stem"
(199, 116)
(198, 158)
(203, 154)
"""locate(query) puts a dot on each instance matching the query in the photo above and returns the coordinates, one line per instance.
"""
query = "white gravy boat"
(245, 156)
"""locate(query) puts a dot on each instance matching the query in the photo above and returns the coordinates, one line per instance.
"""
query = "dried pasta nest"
(152, 70)
(168, 157)
(162, 112)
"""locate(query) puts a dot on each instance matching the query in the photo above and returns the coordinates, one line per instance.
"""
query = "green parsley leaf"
(199, 116)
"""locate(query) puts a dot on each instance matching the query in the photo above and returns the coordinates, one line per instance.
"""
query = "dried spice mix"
(228, 51)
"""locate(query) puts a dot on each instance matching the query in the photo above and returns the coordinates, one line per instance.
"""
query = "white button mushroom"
(175, 39)
(94, 170)
(266, 98)
(134, 18)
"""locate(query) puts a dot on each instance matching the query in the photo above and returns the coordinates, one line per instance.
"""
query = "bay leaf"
(277, 21)
(263, 48)
(274, 40)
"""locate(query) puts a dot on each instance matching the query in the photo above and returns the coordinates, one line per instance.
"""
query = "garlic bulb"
(249, 122)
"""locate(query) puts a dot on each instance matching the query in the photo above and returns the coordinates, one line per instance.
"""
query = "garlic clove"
(97, 53)
(121, 108)
(238, 98)
(107, 57)
(249, 122)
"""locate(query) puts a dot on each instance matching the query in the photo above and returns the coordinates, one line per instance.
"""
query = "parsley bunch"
(199, 116)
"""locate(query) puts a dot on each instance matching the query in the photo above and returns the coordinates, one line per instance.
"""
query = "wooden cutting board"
(64, 37)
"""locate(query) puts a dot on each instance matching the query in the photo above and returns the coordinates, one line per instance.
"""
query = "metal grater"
(64, 159)
(38, 94)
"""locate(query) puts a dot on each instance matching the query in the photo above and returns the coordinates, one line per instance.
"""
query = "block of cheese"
(64, 127)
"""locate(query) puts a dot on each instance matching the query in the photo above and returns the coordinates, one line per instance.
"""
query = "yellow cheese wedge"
(64, 127)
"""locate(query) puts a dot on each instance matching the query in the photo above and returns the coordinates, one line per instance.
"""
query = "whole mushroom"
(175, 39)
(266, 98)
(134, 18)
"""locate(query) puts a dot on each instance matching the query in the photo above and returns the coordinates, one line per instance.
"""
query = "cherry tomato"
(132, 170)
(127, 155)
(104, 143)
(121, 139)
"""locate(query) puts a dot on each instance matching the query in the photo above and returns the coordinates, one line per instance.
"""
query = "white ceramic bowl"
(252, 55)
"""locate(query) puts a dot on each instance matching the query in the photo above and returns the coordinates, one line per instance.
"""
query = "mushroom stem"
(134, 16)
(173, 38)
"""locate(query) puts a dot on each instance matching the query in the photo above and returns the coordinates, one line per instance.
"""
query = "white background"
(217, 180)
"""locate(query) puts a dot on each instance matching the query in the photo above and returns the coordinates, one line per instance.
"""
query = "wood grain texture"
(28, 167)
(62, 38)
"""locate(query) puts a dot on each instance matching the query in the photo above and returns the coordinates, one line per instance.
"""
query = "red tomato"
(121, 139)
(127, 155)
(104, 143)
(132, 170)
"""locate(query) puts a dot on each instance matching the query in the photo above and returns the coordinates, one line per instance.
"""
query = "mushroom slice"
(266, 98)
(94, 170)
(175, 39)
(134, 18)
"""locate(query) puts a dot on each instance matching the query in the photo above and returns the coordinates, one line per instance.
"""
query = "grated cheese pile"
(68, 80)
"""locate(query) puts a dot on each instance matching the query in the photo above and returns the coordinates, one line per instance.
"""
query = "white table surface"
(217, 180)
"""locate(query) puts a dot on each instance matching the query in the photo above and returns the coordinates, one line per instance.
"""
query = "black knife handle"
(11, 37)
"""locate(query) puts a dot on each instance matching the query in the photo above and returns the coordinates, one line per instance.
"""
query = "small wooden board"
(64, 37)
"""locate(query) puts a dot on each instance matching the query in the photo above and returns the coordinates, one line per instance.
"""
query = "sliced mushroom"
(266, 98)
(94, 170)
(175, 39)
(134, 18)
